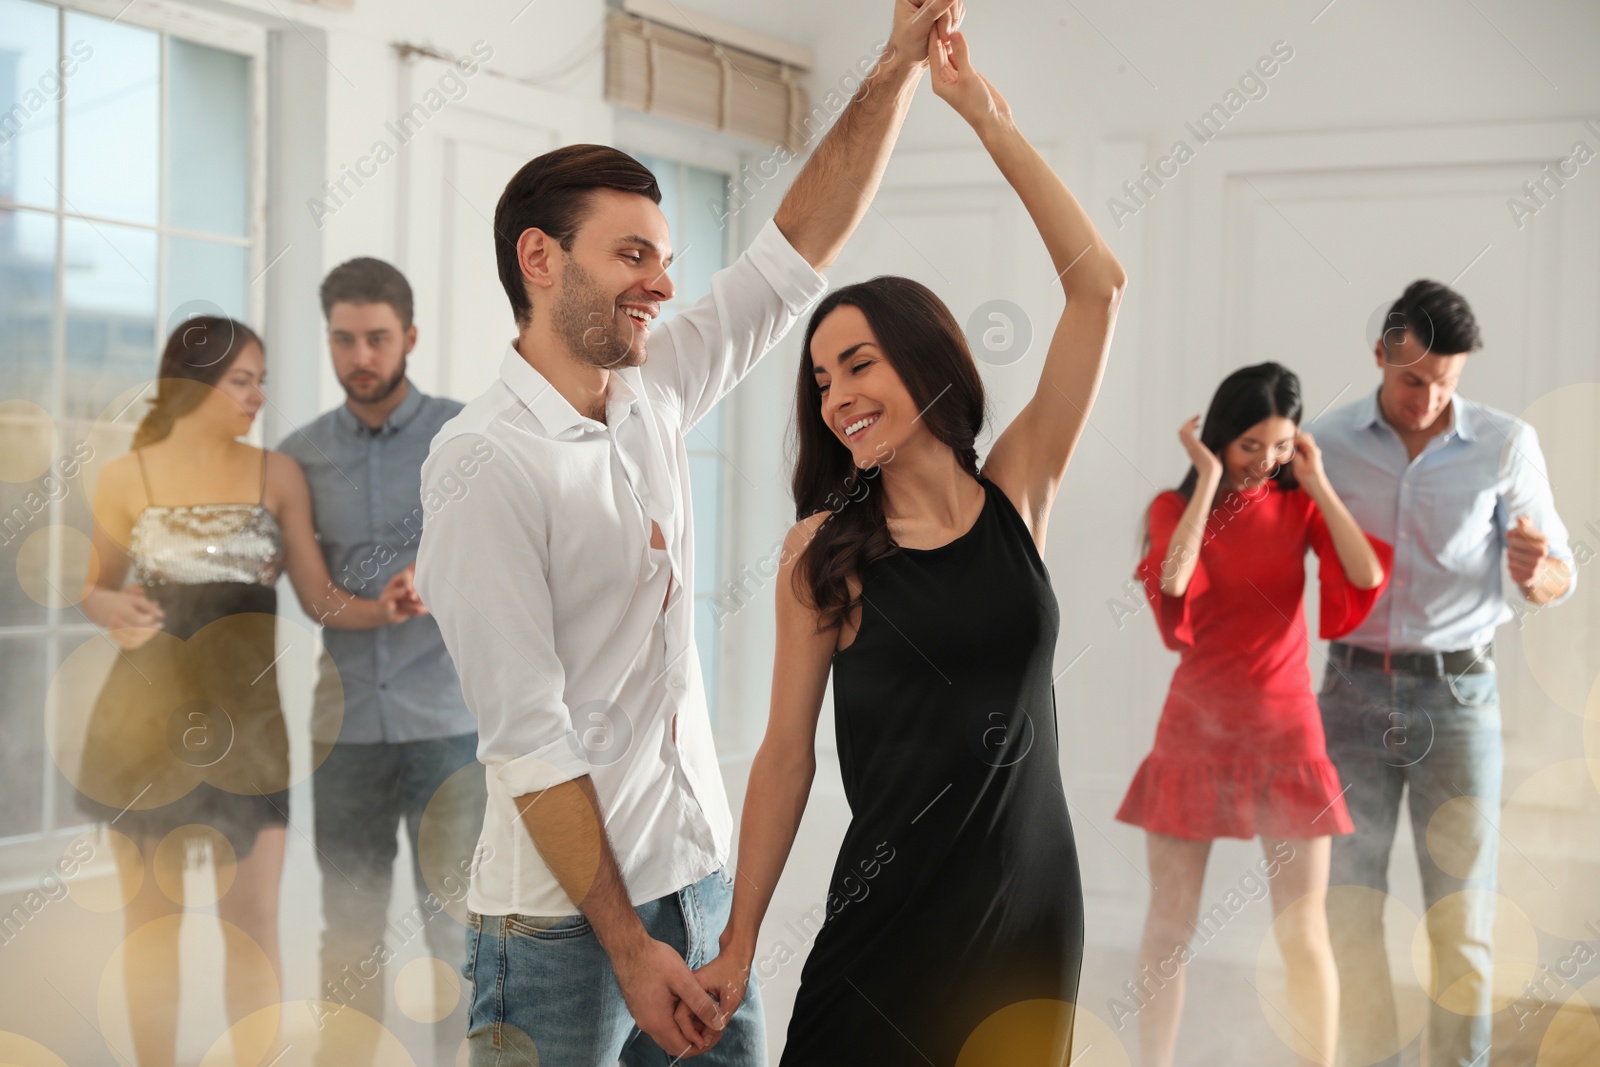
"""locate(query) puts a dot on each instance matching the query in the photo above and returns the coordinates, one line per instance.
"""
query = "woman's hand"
(958, 83)
(918, 23)
(400, 598)
(1205, 461)
(131, 617)
(1306, 465)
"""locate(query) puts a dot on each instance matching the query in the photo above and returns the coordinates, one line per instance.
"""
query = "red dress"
(1239, 750)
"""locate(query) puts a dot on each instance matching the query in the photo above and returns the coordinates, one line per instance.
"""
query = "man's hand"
(400, 598)
(655, 982)
(725, 978)
(915, 20)
(1526, 552)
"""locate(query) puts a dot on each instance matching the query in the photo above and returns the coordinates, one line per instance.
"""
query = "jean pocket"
(1479, 690)
(548, 927)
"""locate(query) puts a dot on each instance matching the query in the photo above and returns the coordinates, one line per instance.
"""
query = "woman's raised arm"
(1030, 457)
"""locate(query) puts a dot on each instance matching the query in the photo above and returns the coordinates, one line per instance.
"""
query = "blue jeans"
(1437, 738)
(363, 794)
(543, 990)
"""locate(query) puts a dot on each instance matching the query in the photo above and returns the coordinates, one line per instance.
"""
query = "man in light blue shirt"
(390, 727)
(1409, 700)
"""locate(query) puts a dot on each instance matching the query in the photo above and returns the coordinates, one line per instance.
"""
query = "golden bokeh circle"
(26, 435)
(446, 853)
(146, 753)
(427, 990)
(1278, 1005)
(79, 566)
(19, 1051)
(171, 860)
(1561, 652)
(1355, 907)
(220, 943)
(1516, 953)
(105, 895)
(1540, 873)
(1572, 1038)
(1456, 833)
(1037, 1031)
(307, 1033)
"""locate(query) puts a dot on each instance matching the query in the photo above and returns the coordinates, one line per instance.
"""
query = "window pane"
(114, 122)
(27, 305)
(700, 231)
(111, 314)
(204, 271)
(705, 639)
(705, 487)
(30, 91)
(208, 138)
(22, 757)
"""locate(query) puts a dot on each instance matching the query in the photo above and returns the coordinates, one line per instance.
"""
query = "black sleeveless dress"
(187, 732)
(956, 896)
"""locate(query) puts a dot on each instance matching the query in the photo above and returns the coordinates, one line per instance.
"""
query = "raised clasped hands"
(917, 22)
(957, 82)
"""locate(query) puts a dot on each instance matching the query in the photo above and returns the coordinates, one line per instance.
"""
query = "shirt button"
(383, 685)
(677, 683)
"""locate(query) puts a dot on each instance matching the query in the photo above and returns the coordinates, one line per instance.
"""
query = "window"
(694, 199)
(130, 163)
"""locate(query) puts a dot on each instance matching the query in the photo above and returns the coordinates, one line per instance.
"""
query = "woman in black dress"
(186, 741)
(954, 922)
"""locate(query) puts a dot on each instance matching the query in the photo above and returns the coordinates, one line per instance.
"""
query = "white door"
(456, 166)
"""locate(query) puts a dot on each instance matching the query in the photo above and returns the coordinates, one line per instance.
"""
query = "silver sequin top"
(189, 544)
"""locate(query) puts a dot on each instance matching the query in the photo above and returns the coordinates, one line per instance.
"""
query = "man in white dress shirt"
(557, 556)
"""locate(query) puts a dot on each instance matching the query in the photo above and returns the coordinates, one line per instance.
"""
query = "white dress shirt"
(536, 561)
(1446, 513)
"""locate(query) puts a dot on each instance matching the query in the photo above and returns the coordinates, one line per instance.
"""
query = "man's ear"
(411, 339)
(1377, 352)
(536, 253)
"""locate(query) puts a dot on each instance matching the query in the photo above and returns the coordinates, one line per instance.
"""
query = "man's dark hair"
(367, 281)
(552, 193)
(1437, 317)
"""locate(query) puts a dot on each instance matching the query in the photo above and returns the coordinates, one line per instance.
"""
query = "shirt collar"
(397, 420)
(1462, 418)
(556, 416)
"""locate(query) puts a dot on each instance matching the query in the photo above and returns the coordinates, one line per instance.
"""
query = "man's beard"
(585, 318)
(376, 391)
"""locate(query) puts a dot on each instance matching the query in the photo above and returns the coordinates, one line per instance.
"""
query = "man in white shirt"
(557, 556)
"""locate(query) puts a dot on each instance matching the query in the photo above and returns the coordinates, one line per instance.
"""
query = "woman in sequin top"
(185, 749)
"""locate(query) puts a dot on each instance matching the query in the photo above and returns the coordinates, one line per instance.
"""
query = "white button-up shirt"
(536, 561)
(1446, 513)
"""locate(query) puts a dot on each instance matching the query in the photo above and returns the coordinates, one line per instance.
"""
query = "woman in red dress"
(1239, 750)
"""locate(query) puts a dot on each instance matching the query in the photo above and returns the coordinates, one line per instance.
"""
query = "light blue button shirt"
(1446, 513)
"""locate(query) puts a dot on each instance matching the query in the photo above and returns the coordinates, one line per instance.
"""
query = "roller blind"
(663, 71)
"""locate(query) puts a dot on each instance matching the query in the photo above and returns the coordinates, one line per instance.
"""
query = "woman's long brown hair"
(924, 344)
(197, 355)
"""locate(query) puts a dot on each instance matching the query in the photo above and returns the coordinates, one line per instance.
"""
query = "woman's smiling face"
(864, 401)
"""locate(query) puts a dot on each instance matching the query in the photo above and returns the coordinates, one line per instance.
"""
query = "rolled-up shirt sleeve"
(703, 352)
(482, 570)
(1527, 492)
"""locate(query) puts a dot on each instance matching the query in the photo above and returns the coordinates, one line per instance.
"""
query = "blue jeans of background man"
(1434, 738)
(543, 990)
(363, 794)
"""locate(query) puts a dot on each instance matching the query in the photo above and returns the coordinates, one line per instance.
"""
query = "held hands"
(400, 598)
(131, 617)
(1526, 551)
(958, 83)
(916, 21)
(666, 1001)
(1205, 461)
(726, 979)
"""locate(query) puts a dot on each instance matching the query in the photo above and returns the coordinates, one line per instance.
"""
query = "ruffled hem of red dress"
(1202, 800)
